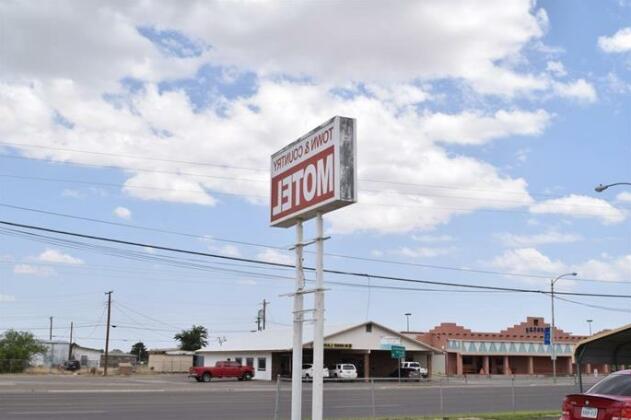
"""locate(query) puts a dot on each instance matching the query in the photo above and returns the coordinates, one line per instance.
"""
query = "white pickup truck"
(415, 365)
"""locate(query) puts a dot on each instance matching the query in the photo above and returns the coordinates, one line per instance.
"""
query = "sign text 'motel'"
(314, 174)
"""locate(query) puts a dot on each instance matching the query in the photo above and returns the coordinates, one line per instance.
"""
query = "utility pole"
(107, 330)
(50, 334)
(264, 312)
(70, 346)
(258, 320)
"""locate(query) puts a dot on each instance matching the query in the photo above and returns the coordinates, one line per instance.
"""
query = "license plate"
(589, 413)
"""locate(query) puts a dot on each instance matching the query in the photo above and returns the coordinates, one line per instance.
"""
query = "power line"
(330, 271)
(224, 166)
(604, 308)
(261, 245)
(265, 197)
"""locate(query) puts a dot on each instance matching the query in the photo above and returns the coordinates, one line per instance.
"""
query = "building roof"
(77, 346)
(281, 339)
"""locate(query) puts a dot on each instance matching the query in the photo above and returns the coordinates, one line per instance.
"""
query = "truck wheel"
(247, 376)
(206, 377)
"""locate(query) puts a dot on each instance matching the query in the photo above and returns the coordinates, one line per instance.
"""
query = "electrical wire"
(330, 271)
(224, 166)
(350, 257)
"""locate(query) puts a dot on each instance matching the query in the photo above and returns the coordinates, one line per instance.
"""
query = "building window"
(249, 361)
(536, 322)
(261, 365)
(239, 360)
(368, 327)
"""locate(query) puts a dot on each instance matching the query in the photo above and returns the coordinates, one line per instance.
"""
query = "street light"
(589, 322)
(552, 345)
(407, 320)
(601, 187)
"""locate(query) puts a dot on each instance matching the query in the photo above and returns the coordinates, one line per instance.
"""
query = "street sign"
(546, 336)
(314, 174)
(397, 352)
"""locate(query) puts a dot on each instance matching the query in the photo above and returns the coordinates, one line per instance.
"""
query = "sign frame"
(341, 132)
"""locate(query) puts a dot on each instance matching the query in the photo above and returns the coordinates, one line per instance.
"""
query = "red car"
(226, 369)
(609, 399)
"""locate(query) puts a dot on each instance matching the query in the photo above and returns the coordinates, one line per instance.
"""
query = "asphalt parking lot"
(162, 397)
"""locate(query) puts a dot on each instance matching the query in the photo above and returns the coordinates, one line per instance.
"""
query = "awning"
(609, 347)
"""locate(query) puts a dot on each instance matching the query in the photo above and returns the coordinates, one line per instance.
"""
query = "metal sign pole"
(318, 329)
(296, 359)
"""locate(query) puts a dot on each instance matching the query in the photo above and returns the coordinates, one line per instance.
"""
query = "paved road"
(172, 397)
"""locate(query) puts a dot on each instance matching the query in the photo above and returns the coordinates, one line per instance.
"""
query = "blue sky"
(482, 131)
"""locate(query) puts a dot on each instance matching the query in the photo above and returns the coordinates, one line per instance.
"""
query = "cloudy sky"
(483, 128)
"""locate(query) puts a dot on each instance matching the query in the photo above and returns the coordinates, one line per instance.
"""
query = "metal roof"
(280, 339)
(611, 347)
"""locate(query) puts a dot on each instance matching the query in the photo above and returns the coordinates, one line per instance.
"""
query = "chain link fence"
(439, 396)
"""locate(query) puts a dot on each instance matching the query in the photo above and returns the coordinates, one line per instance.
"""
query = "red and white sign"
(314, 174)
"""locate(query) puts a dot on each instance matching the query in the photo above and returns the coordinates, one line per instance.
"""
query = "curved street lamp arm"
(601, 187)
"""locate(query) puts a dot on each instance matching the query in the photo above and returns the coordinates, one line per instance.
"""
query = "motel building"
(517, 350)
(366, 345)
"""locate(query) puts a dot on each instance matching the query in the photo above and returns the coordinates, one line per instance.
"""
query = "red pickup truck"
(221, 370)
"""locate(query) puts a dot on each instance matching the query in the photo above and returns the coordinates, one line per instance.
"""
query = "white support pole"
(318, 328)
(296, 359)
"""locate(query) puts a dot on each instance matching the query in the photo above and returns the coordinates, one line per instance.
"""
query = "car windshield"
(348, 367)
(613, 385)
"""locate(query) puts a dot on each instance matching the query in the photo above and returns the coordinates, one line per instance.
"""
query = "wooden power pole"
(107, 331)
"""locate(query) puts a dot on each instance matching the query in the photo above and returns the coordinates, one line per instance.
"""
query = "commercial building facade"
(516, 350)
(366, 345)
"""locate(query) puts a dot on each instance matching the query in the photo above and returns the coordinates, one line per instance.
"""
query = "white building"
(366, 345)
(86, 356)
(55, 354)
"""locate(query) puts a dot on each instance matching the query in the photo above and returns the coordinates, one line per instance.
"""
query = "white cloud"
(277, 112)
(522, 154)
(624, 197)
(466, 40)
(421, 252)
(530, 260)
(608, 268)
(616, 85)
(580, 90)
(401, 140)
(229, 250)
(580, 206)
(475, 128)
(556, 68)
(617, 43)
(550, 237)
(6, 298)
(122, 212)
(32, 270)
(58, 257)
(527, 261)
(275, 256)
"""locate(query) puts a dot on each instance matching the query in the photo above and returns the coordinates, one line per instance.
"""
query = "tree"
(140, 351)
(193, 339)
(16, 350)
